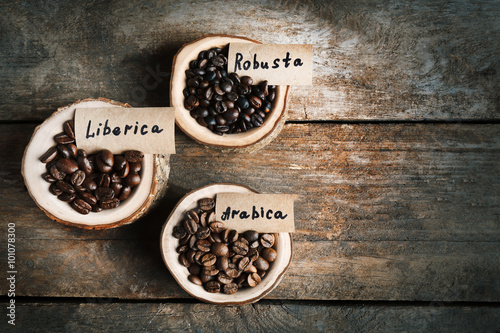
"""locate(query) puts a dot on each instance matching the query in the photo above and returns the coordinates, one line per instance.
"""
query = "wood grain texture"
(387, 212)
(98, 315)
(403, 60)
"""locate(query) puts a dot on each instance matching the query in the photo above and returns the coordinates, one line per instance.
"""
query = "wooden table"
(394, 151)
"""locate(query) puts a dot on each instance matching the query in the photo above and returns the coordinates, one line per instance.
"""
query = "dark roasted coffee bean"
(64, 151)
(89, 198)
(206, 204)
(104, 194)
(204, 220)
(253, 279)
(194, 268)
(261, 264)
(269, 254)
(243, 102)
(49, 155)
(63, 138)
(257, 120)
(194, 279)
(68, 128)
(84, 164)
(89, 184)
(206, 278)
(54, 171)
(48, 177)
(72, 149)
(267, 240)
(208, 259)
(66, 197)
(133, 179)
(110, 203)
(66, 165)
(81, 206)
(190, 226)
(77, 177)
(125, 193)
(117, 188)
(219, 249)
(54, 189)
(120, 163)
(104, 161)
(246, 80)
(182, 249)
(135, 167)
(65, 187)
(212, 286)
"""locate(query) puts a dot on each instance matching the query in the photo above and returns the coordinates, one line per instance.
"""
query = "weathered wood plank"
(397, 59)
(387, 212)
(261, 317)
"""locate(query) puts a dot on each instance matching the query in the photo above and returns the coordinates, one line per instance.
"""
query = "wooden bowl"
(249, 141)
(168, 245)
(154, 175)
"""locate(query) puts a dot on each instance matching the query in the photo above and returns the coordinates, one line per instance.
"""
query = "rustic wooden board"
(403, 60)
(387, 212)
(97, 315)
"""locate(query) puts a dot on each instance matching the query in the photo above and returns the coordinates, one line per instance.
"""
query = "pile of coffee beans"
(89, 183)
(220, 259)
(225, 102)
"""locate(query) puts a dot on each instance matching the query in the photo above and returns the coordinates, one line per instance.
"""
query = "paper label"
(259, 212)
(279, 64)
(150, 130)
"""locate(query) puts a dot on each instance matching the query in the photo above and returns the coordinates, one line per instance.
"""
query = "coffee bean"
(132, 179)
(81, 206)
(230, 288)
(222, 263)
(66, 197)
(49, 155)
(210, 271)
(253, 279)
(63, 138)
(212, 286)
(206, 204)
(224, 278)
(89, 198)
(110, 203)
(190, 226)
(179, 232)
(54, 189)
(208, 259)
(267, 240)
(269, 254)
(203, 245)
(134, 156)
(77, 177)
(48, 177)
(261, 264)
(194, 268)
(125, 193)
(217, 227)
(66, 165)
(194, 279)
(68, 128)
(105, 161)
(203, 232)
(135, 167)
(243, 263)
(65, 187)
(251, 235)
(89, 184)
(104, 194)
(240, 248)
(193, 215)
(54, 172)
(220, 249)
